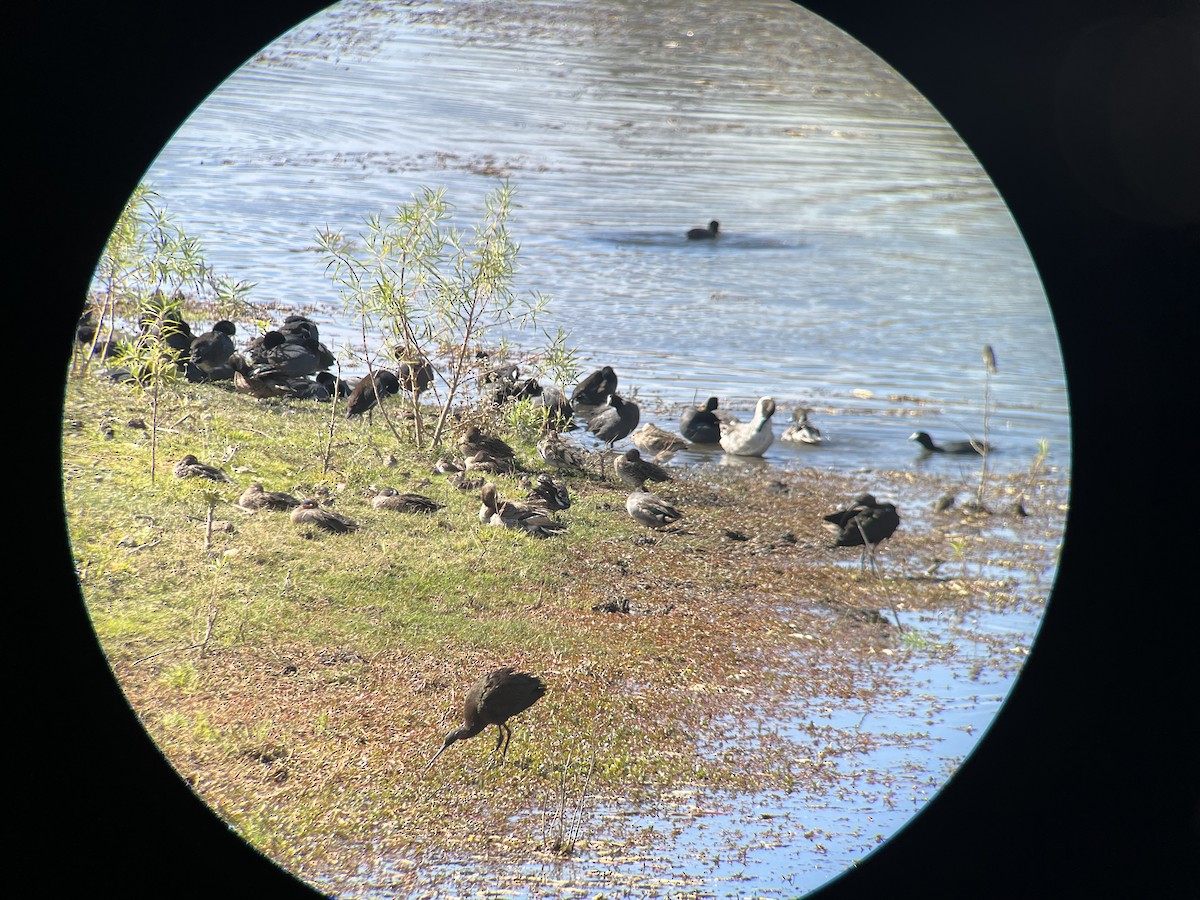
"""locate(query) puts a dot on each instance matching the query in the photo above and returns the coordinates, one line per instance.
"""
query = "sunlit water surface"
(865, 262)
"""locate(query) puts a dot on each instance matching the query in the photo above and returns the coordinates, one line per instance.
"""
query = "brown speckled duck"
(310, 512)
(390, 498)
(651, 510)
(254, 497)
(190, 467)
(501, 513)
(635, 471)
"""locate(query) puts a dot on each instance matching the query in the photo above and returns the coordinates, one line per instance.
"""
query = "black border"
(1087, 782)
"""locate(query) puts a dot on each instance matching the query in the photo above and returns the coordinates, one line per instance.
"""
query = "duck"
(210, 351)
(463, 482)
(803, 431)
(658, 442)
(635, 471)
(615, 420)
(593, 390)
(473, 440)
(651, 510)
(866, 523)
(310, 512)
(518, 516)
(750, 438)
(366, 393)
(254, 497)
(415, 375)
(482, 461)
(704, 234)
(191, 467)
(960, 448)
(701, 425)
(549, 493)
(561, 452)
(248, 379)
(390, 498)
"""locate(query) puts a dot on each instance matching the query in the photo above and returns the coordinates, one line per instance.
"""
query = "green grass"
(301, 680)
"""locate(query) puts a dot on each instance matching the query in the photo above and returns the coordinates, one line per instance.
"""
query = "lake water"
(865, 261)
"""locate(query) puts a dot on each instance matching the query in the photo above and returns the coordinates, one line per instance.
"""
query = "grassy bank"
(300, 681)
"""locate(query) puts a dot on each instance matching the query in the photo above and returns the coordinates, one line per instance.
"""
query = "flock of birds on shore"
(290, 361)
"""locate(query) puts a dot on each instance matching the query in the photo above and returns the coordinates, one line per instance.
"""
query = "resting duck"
(549, 493)
(248, 379)
(482, 461)
(190, 467)
(635, 471)
(561, 452)
(517, 516)
(254, 497)
(416, 375)
(473, 441)
(703, 234)
(804, 431)
(961, 448)
(701, 425)
(658, 442)
(310, 512)
(651, 510)
(390, 498)
(615, 420)
(750, 438)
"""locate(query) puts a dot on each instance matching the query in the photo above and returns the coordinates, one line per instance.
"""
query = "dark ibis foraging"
(493, 700)
(864, 524)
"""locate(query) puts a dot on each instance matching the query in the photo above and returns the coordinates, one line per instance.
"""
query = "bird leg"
(507, 740)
